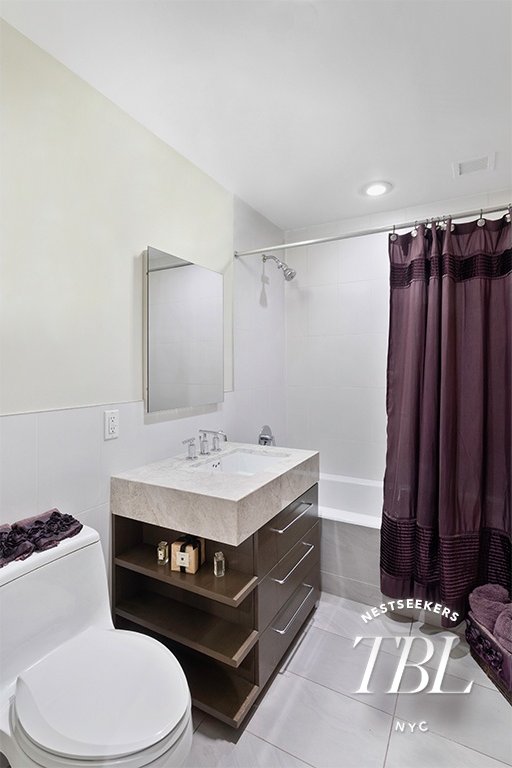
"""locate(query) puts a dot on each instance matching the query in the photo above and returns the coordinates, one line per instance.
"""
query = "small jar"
(219, 564)
(162, 553)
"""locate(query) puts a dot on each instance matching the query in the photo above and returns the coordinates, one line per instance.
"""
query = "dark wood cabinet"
(229, 633)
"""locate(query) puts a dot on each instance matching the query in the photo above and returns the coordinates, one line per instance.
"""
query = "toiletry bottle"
(162, 553)
(219, 564)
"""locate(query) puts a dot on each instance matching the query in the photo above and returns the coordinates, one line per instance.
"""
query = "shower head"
(288, 272)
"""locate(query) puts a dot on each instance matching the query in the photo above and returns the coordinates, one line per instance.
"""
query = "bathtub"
(351, 510)
(350, 500)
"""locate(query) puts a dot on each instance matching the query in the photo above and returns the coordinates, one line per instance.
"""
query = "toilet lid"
(105, 693)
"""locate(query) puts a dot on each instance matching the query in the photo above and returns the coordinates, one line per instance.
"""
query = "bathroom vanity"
(260, 507)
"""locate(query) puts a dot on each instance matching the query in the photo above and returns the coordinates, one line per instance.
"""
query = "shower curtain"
(446, 522)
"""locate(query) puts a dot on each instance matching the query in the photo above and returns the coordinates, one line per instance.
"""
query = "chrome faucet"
(204, 448)
(191, 449)
(266, 437)
(217, 435)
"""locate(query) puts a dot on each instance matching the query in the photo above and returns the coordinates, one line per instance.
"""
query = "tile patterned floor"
(310, 715)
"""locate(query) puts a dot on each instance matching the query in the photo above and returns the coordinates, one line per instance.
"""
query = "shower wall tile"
(276, 413)
(363, 306)
(363, 258)
(360, 358)
(358, 459)
(322, 265)
(325, 361)
(348, 413)
(259, 332)
(300, 363)
(297, 308)
(336, 338)
(297, 416)
(323, 310)
(251, 413)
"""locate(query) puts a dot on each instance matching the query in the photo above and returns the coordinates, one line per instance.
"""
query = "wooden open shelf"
(215, 637)
(217, 691)
(231, 589)
(221, 630)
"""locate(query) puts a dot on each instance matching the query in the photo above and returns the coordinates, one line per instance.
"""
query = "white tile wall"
(259, 331)
(336, 341)
(59, 458)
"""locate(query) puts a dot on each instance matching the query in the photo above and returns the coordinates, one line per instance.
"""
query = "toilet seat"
(119, 698)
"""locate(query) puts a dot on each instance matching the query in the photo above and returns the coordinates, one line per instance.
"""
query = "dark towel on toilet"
(46, 530)
(487, 603)
(503, 628)
(14, 545)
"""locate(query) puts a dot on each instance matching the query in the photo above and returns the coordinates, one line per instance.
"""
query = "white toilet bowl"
(103, 697)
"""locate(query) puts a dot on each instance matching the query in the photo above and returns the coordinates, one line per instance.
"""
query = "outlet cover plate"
(111, 425)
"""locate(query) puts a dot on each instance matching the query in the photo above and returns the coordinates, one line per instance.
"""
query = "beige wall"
(84, 189)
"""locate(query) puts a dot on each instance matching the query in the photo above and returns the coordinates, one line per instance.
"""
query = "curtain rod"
(374, 231)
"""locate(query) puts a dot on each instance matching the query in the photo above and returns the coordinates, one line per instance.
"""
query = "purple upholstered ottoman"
(495, 660)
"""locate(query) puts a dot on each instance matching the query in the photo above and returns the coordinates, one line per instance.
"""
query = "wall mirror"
(184, 339)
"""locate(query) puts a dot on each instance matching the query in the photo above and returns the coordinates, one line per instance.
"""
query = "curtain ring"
(481, 221)
(508, 216)
(393, 236)
(415, 230)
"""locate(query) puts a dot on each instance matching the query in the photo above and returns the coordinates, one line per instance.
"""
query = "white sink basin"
(241, 462)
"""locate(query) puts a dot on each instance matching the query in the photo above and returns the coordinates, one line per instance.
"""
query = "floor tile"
(311, 715)
(318, 725)
(481, 719)
(461, 663)
(253, 752)
(428, 750)
(350, 589)
(332, 661)
(343, 617)
(212, 742)
(197, 718)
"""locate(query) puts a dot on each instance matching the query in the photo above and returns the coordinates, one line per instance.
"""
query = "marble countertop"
(221, 506)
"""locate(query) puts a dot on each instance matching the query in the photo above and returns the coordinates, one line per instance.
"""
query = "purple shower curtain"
(446, 522)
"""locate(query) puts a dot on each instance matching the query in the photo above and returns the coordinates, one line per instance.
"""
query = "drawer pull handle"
(282, 530)
(283, 631)
(311, 548)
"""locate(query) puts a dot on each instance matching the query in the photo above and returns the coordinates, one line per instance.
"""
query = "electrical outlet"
(111, 425)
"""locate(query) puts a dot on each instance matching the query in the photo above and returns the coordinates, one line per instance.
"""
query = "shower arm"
(279, 263)
(288, 272)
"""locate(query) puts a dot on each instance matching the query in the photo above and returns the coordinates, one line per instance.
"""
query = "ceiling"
(294, 105)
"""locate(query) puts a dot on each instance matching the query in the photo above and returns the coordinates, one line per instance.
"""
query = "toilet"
(74, 691)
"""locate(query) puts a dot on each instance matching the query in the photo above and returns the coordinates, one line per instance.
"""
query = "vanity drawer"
(278, 586)
(278, 636)
(277, 537)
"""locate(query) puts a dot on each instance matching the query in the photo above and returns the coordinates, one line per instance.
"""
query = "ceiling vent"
(477, 165)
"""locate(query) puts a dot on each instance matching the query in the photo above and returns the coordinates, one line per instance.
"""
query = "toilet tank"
(49, 598)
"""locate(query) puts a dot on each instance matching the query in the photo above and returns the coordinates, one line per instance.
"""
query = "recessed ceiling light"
(377, 188)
